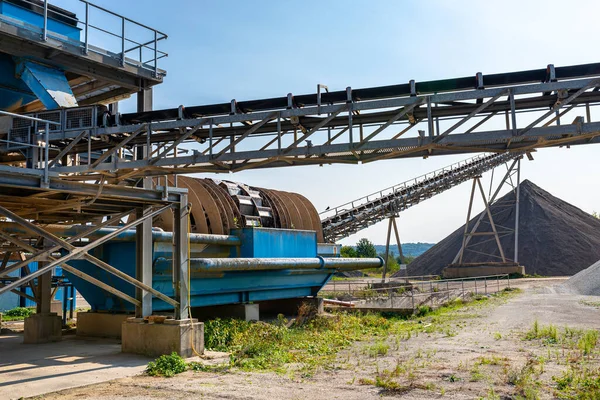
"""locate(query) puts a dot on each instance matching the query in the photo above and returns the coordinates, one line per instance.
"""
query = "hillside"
(409, 249)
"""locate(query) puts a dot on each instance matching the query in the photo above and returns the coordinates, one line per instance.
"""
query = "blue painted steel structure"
(19, 11)
(269, 243)
(12, 300)
(210, 288)
(22, 80)
(49, 84)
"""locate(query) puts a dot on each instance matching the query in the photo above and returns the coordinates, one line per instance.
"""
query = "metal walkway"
(349, 218)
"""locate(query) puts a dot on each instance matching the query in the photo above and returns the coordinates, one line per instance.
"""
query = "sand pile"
(586, 282)
(556, 238)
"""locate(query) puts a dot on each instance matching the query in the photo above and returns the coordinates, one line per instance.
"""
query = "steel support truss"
(340, 129)
(511, 178)
(59, 251)
(391, 224)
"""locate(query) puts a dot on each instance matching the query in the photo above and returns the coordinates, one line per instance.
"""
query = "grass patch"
(313, 344)
(575, 339)
(595, 304)
(17, 314)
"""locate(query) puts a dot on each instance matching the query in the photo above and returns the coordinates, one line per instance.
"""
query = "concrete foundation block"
(56, 308)
(94, 324)
(42, 328)
(154, 340)
(290, 306)
(247, 312)
(481, 270)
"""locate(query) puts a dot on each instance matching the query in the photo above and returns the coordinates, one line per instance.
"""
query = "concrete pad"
(34, 369)
(42, 328)
(156, 339)
(94, 324)
(247, 312)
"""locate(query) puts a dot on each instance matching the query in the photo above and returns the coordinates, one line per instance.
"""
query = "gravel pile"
(586, 282)
(556, 238)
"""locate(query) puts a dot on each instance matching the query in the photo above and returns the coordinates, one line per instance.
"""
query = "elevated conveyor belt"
(481, 114)
(349, 218)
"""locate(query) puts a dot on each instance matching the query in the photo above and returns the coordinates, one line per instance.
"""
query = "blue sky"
(220, 50)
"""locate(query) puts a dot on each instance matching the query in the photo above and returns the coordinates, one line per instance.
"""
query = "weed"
(578, 383)
(548, 333)
(476, 374)
(588, 341)
(167, 365)
(497, 336)
(453, 378)
(422, 311)
(525, 380)
(366, 381)
(199, 367)
(378, 349)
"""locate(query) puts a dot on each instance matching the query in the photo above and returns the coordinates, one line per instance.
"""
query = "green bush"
(167, 365)
(23, 312)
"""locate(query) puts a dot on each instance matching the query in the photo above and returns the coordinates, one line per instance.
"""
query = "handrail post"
(122, 42)
(155, 54)
(46, 154)
(87, 28)
(45, 31)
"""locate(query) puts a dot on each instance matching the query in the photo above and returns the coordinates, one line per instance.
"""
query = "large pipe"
(127, 236)
(264, 264)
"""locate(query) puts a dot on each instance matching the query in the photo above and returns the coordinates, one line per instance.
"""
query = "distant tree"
(365, 248)
(393, 264)
(405, 260)
(348, 251)
(595, 215)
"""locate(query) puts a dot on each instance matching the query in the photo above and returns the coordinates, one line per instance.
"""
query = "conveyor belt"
(349, 218)
(374, 93)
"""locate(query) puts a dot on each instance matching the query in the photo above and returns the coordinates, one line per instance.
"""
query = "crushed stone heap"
(586, 282)
(555, 237)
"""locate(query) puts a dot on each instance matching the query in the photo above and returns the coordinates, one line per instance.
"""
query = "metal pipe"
(265, 264)
(126, 236)
(517, 195)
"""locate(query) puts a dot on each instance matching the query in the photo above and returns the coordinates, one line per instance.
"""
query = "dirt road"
(481, 352)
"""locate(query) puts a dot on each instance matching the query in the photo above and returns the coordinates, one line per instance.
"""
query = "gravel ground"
(586, 282)
(439, 365)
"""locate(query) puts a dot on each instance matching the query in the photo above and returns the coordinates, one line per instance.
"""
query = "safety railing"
(410, 293)
(139, 48)
(128, 45)
(35, 139)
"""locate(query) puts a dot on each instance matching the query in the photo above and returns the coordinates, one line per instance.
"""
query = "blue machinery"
(83, 186)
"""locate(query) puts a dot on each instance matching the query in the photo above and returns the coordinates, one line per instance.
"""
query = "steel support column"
(517, 196)
(181, 257)
(392, 224)
(143, 267)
